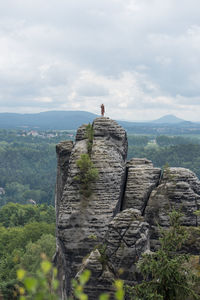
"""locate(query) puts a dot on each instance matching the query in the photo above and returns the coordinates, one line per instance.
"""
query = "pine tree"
(166, 272)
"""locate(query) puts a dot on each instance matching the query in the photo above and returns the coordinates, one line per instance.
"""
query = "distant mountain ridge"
(71, 120)
(49, 120)
(169, 119)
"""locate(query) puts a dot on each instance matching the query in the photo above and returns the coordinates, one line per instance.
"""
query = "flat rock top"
(179, 174)
(106, 127)
(111, 133)
(103, 127)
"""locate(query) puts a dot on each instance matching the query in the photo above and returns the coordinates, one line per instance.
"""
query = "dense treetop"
(28, 162)
(26, 231)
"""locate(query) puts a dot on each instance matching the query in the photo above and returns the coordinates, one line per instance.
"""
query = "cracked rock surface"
(82, 223)
(126, 239)
(142, 179)
(110, 230)
(179, 189)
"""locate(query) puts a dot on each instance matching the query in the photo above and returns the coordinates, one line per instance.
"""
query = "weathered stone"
(179, 189)
(82, 222)
(137, 188)
(101, 279)
(141, 180)
(81, 133)
(112, 133)
(63, 151)
(126, 239)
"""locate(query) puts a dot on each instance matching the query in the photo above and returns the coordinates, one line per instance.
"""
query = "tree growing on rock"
(89, 134)
(166, 272)
(87, 174)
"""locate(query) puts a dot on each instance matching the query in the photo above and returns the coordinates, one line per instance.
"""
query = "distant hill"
(71, 120)
(169, 119)
(53, 120)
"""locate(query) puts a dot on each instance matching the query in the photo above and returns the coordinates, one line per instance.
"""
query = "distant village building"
(2, 191)
(31, 201)
(153, 141)
(33, 133)
(50, 135)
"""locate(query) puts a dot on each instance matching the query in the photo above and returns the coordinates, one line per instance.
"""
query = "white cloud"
(44, 100)
(140, 57)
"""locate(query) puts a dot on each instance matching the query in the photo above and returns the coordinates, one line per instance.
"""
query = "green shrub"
(89, 136)
(87, 174)
(166, 272)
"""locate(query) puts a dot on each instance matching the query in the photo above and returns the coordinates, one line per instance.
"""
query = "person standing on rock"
(102, 110)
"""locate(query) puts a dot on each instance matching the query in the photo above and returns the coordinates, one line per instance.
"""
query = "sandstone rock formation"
(82, 223)
(126, 239)
(179, 189)
(142, 179)
(108, 232)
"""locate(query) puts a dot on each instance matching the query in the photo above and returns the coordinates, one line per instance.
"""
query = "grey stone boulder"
(179, 190)
(63, 151)
(125, 241)
(142, 178)
(101, 279)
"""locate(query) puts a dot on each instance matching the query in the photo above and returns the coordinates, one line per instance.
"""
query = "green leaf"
(55, 284)
(55, 272)
(46, 266)
(119, 284)
(20, 274)
(83, 297)
(104, 297)
(119, 294)
(30, 284)
(84, 277)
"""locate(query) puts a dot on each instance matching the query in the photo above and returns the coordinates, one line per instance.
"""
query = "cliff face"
(82, 223)
(110, 230)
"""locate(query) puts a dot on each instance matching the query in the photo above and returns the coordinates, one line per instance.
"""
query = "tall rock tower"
(82, 223)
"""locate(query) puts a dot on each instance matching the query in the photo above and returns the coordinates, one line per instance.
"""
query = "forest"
(26, 231)
(28, 163)
(177, 151)
(28, 166)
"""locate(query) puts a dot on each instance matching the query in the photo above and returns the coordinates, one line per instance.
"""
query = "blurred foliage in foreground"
(167, 274)
(44, 285)
(26, 231)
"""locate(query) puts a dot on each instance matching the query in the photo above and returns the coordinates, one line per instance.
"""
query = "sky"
(141, 58)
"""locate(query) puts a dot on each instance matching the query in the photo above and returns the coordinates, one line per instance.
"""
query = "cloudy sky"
(141, 58)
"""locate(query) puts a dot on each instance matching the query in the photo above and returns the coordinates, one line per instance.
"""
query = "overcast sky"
(141, 58)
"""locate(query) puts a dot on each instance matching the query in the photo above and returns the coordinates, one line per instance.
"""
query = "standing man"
(102, 110)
